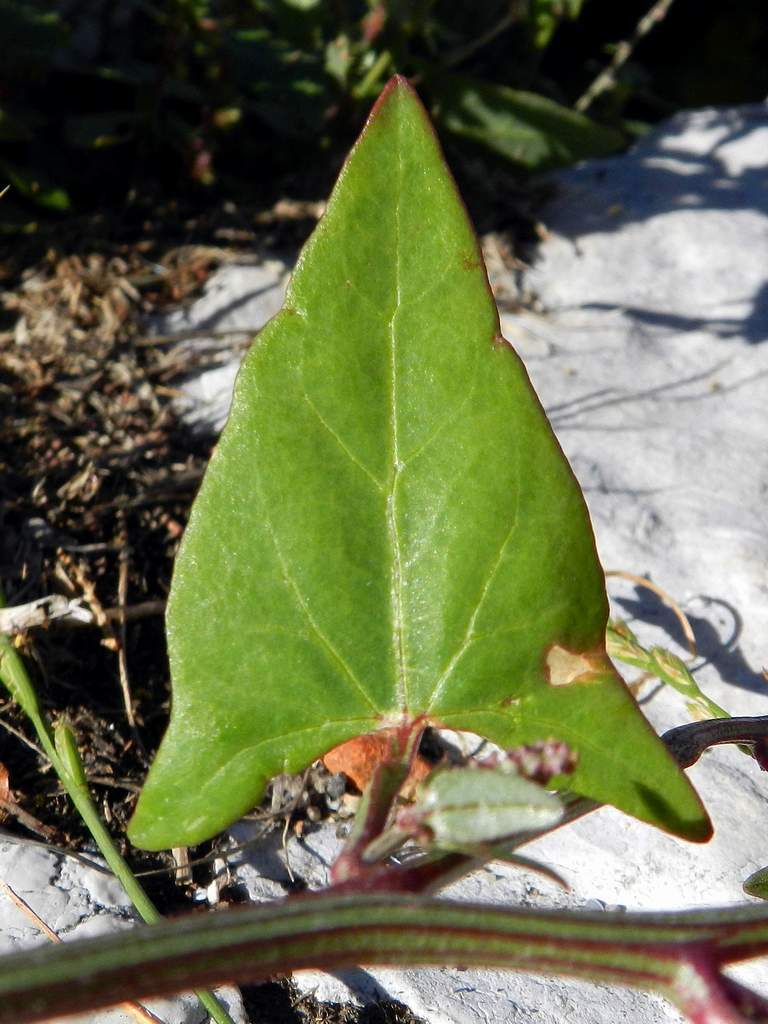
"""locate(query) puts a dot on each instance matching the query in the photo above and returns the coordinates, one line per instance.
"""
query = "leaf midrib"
(398, 634)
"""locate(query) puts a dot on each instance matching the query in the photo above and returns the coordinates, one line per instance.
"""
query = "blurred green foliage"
(99, 99)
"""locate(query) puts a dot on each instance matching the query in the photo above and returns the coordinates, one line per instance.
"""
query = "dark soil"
(281, 1003)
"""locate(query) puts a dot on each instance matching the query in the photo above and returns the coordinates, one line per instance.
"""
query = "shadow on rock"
(722, 652)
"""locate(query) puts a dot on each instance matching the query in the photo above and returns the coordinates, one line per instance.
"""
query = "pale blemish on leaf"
(564, 667)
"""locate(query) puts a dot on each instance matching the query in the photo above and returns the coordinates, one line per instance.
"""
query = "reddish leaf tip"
(393, 86)
(397, 82)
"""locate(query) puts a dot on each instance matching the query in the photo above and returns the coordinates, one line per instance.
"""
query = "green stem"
(375, 72)
(61, 749)
(70, 770)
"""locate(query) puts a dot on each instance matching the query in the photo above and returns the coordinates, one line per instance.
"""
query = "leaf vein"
(298, 732)
(469, 634)
(324, 641)
(437, 279)
(225, 770)
(449, 420)
(379, 485)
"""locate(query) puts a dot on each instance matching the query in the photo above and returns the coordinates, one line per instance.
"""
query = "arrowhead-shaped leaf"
(388, 527)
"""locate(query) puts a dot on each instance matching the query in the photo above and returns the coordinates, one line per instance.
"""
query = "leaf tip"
(692, 823)
(397, 82)
(398, 85)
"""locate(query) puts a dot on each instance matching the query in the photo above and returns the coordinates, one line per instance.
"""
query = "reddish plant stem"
(676, 954)
(686, 743)
(706, 996)
(377, 805)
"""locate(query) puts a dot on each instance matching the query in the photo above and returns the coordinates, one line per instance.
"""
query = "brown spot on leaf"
(563, 667)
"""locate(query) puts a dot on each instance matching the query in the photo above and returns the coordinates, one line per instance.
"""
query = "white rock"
(656, 295)
(240, 297)
(78, 901)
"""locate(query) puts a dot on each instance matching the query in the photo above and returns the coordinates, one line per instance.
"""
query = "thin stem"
(462, 53)
(55, 608)
(377, 69)
(688, 742)
(354, 862)
(665, 598)
(61, 751)
(607, 77)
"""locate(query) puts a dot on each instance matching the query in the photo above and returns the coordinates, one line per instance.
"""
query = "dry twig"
(624, 50)
(666, 598)
(114, 635)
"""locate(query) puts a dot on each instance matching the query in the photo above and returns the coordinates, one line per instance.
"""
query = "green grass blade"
(61, 749)
(623, 645)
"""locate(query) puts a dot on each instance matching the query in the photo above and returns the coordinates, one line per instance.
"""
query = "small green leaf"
(338, 58)
(15, 679)
(465, 806)
(388, 528)
(545, 15)
(66, 748)
(35, 188)
(13, 674)
(528, 129)
(757, 884)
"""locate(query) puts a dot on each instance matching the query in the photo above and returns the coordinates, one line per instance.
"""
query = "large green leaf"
(388, 527)
(528, 129)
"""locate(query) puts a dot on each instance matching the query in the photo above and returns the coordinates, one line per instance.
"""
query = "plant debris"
(97, 473)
